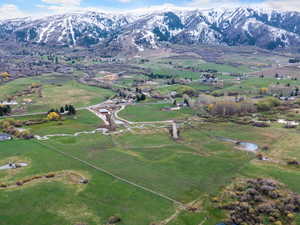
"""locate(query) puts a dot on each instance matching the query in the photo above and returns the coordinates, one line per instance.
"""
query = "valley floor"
(117, 158)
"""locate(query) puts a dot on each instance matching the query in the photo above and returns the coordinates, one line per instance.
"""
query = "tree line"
(68, 109)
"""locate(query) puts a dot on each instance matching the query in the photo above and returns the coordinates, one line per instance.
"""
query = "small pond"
(247, 146)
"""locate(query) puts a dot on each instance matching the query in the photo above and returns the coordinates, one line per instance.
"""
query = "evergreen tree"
(4, 110)
(296, 91)
(143, 97)
(187, 102)
(50, 111)
(62, 110)
(72, 110)
(138, 98)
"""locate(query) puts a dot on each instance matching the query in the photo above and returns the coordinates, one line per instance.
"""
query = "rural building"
(104, 111)
(209, 78)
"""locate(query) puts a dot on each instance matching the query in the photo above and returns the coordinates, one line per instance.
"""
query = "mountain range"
(265, 28)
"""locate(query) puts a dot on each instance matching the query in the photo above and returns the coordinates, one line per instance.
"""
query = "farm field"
(180, 131)
(83, 121)
(62, 202)
(252, 85)
(153, 112)
(56, 91)
(195, 168)
(164, 69)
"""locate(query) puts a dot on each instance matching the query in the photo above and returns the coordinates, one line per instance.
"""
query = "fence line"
(114, 176)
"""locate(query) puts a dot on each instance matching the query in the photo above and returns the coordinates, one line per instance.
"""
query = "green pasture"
(56, 91)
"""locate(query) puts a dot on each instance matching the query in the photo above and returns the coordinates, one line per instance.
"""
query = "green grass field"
(57, 91)
(194, 168)
(252, 85)
(169, 69)
(47, 203)
(152, 112)
(83, 121)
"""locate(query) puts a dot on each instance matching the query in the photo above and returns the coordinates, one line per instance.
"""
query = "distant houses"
(209, 78)
(8, 103)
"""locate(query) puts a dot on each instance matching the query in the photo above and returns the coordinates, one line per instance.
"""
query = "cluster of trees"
(4, 75)
(294, 60)
(230, 108)
(263, 91)
(127, 92)
(267, 104)
(174, 81)
(5, 110)
(52, 58)
(138, 90)
(69, 109)
(158, 76)
(140, 97)
(194, 69)
(9, 127)
(10, 122)
(254, 201)
(280, 90)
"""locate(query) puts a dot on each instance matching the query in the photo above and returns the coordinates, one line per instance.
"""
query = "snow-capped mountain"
(239, 26)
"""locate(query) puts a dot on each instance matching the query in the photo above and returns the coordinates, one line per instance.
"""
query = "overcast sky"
(23, 8)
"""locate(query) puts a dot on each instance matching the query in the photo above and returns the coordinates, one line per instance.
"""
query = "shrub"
(267, 104)
(53, 116)
(114, 220)
(4, 110)
(263, 91)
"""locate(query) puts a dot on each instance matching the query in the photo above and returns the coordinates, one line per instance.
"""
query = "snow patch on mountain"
(228, 26)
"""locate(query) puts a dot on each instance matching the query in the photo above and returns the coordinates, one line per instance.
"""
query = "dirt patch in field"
(154, 130)
(132, 153)
(77, 214)
(68, 177)
(194, 206)
(107, 76)
(273, 135)
(12, 172)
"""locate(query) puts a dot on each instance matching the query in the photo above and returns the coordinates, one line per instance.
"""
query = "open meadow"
(53, 91)
(191, 170)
